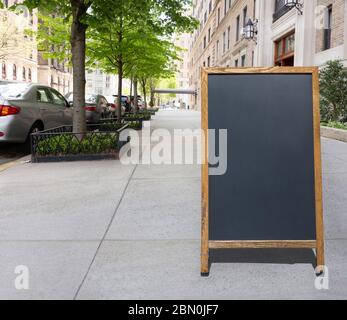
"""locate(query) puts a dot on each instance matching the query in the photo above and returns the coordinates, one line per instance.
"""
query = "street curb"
(12, 164)
(332, 133)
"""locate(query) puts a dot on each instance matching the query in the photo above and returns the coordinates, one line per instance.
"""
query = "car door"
(44, 103)
(65, 111)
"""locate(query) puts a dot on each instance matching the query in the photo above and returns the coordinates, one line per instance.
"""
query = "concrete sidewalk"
(101, 230)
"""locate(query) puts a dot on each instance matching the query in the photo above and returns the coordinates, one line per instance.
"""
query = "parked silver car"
(27, 108)
(96, 107)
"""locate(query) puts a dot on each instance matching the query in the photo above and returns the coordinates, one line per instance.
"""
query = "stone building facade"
(285, 36)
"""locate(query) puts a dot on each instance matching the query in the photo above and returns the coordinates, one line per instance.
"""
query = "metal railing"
(62, 144)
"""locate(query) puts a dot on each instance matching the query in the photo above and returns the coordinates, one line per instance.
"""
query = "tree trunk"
(120, 84)
(120, 71)
(136, 105)
(78, 50)
(152, 99)
(131, 87)
(143, 83)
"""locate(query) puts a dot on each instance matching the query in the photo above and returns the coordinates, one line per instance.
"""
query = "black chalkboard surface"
(270, 194)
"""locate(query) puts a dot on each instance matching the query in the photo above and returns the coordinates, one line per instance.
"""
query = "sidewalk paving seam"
(105, 234)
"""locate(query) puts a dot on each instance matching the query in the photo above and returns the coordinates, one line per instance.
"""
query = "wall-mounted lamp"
(250, 30)
(294, 4)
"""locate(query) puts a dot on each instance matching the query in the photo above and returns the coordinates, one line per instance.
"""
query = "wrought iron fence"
(62, 144)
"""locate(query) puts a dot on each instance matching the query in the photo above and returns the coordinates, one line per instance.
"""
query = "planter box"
(62, 144)
(332, 133)
(136, 124)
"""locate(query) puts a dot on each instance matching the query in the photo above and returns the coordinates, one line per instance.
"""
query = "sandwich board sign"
(270, 195)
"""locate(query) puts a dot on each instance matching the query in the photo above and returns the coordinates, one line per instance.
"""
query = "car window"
(90, 99)
(42, 95)
(58, 98)
(13, 91)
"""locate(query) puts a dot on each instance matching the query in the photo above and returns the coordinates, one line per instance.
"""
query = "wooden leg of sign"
(205, 264)
(205, 250)
(320, 257)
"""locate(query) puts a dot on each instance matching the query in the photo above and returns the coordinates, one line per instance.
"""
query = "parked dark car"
(96, 107)
(26, 108)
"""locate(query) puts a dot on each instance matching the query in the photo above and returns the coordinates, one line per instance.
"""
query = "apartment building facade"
(100, 83)
(20, 59)
(311, 34)
(18, 50)
(182, 74)
(55, 74)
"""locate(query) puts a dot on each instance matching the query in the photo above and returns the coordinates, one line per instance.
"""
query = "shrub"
(333, 90)
(69, 144)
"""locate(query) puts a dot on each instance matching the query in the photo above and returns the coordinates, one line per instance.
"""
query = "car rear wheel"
(37, 127)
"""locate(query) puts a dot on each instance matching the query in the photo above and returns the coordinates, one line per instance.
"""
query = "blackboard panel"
(268, 192)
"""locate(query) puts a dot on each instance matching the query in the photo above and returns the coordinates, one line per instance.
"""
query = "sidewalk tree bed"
(62, 144)
(131, 122)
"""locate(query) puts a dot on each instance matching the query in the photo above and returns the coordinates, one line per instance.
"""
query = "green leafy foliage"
(333, 90)
(69, 144)
(336, 125)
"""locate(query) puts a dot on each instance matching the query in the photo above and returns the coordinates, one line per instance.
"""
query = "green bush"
(336, 125)
(333, 90)
(69, 144)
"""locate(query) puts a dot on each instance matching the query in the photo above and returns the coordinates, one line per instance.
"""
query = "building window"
(284, 50)
(29, 74)
(208, 61)
(218, 16)
(229, 29)
(225, 7)
(327, 29)
(209, 35)
(243, 60)
(238, 28)
(210, 7)
(236, 63)
(24, 74)
(224, 42)
(4, 72)
(244, 16)
(14, 72)
(204, 42)
(280, 9)
(254, 8)
(205, 17)
(252, 58)
(217, 49)
(204, 64)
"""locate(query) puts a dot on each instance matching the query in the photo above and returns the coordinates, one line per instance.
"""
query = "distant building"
(55, 74)
(18, 51)
(99, 82)
(182, 75)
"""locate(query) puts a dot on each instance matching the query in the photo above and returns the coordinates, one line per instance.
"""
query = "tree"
(131, 41)
(77, 11)
(333, 90)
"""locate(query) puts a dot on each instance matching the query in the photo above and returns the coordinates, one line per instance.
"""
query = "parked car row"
(26, 108)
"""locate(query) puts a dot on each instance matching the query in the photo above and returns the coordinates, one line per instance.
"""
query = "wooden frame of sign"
(317, 244)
